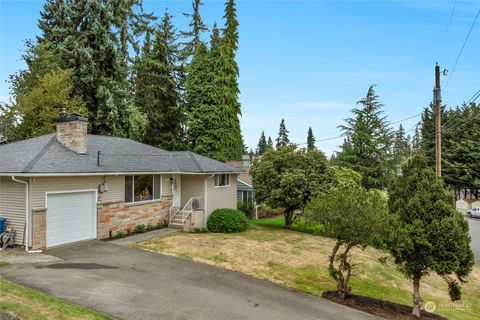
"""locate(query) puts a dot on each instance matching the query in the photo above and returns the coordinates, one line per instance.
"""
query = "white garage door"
(70, 217)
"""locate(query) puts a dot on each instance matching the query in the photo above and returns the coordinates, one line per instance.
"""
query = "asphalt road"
(133, 284)
(474, 224)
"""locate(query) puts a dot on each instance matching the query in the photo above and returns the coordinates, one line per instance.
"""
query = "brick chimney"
(72, 132)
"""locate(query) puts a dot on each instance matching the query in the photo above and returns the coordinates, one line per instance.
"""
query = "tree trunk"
(417, 300)
(288, 220)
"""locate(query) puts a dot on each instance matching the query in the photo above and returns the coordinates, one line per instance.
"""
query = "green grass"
(28, 304)
(3, 264)
(300, 260)
(279, 223)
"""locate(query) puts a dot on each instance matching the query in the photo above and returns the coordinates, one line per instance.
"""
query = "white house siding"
(12, 206)
(221, 197)
(191, 186)
(41, 185)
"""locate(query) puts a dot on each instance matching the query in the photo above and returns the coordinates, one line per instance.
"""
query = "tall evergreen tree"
(262, 144)
(54, 22)
(310, 140)
(228, 79)
(416, 141)
(282, 139)
(368, 142)
(207, 128)
(100, 77)
(131, 22)
(401, 145)
(269, 144)
(197, 26)
(157, 92)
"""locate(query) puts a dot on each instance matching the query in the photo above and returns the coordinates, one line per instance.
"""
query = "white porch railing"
(193, 204)
(173, 210)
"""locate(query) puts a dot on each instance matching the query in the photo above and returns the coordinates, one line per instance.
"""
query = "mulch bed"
(385, 309)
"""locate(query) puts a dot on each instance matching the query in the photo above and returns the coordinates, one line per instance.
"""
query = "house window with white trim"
(222, 180)
(142, 188)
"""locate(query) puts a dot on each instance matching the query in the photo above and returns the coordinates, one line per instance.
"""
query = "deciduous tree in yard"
(431, 236)
(352, 215)
(288, 178)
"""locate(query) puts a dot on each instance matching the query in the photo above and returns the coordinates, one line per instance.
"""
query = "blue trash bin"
(2, 224)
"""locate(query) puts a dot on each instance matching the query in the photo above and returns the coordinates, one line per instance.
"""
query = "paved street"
(133, 284)
(475, 234)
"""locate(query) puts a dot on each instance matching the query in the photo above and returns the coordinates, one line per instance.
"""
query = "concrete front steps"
(176, 222)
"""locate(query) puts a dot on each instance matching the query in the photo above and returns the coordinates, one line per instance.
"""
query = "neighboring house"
(245, 192)
(463, 205)
(70, 186)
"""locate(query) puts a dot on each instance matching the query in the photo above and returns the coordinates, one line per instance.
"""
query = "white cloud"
(320, 105)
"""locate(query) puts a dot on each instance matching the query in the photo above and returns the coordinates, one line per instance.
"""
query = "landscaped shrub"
(246, 207)
(200, 230)
(120, 234)
(141, 228)
(227, 221)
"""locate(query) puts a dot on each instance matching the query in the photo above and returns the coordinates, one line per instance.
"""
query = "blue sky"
(310, 61)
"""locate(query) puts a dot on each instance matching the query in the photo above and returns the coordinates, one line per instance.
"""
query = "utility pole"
(437, 100)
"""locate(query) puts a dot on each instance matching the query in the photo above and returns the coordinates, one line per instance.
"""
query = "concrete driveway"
(132, 284)
(474, 224)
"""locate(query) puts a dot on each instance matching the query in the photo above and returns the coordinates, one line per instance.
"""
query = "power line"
(463, 47)
(341, 136)
(446, 31)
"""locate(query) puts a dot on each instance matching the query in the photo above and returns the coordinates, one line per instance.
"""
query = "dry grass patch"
(300, 260)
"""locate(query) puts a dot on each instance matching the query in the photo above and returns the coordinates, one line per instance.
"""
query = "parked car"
(475, 212)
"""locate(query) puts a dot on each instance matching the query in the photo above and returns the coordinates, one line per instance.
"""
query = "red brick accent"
(39, 229)
(122, 216)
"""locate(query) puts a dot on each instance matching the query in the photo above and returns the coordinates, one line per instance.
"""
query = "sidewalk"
(125, 242)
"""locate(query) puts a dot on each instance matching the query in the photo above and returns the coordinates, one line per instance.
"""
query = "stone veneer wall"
(113, 217)
(110, 217)
(39, 229)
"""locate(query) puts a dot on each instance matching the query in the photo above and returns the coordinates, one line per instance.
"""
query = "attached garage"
(70, 217)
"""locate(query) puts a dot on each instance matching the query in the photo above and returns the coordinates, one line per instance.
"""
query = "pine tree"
(401, 145)
(54, 22)
(269, 144)
(228, 79)
(430, 235)
(310, 140)
(262, 144)
(282, 139)
(416, 141)
(100, 76)
(197, 26)
(131, 22)
(156, 92)
(368, 141)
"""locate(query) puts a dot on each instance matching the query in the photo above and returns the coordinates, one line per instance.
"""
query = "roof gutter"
(27, 225)
(74, 174)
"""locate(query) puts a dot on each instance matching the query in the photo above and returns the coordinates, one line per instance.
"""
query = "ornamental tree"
(288, 178)
(352, 215)
(431, 236)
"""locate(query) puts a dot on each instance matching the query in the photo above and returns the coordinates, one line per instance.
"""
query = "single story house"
(70, 186)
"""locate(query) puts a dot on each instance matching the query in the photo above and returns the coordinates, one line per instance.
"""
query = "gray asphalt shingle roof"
(117, 155)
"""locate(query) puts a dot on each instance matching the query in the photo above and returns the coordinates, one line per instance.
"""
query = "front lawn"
(279, 222)
(24, 303)
(299, 260)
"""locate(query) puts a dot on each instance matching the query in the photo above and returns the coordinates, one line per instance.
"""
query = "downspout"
(206, 198)
(26, 232)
